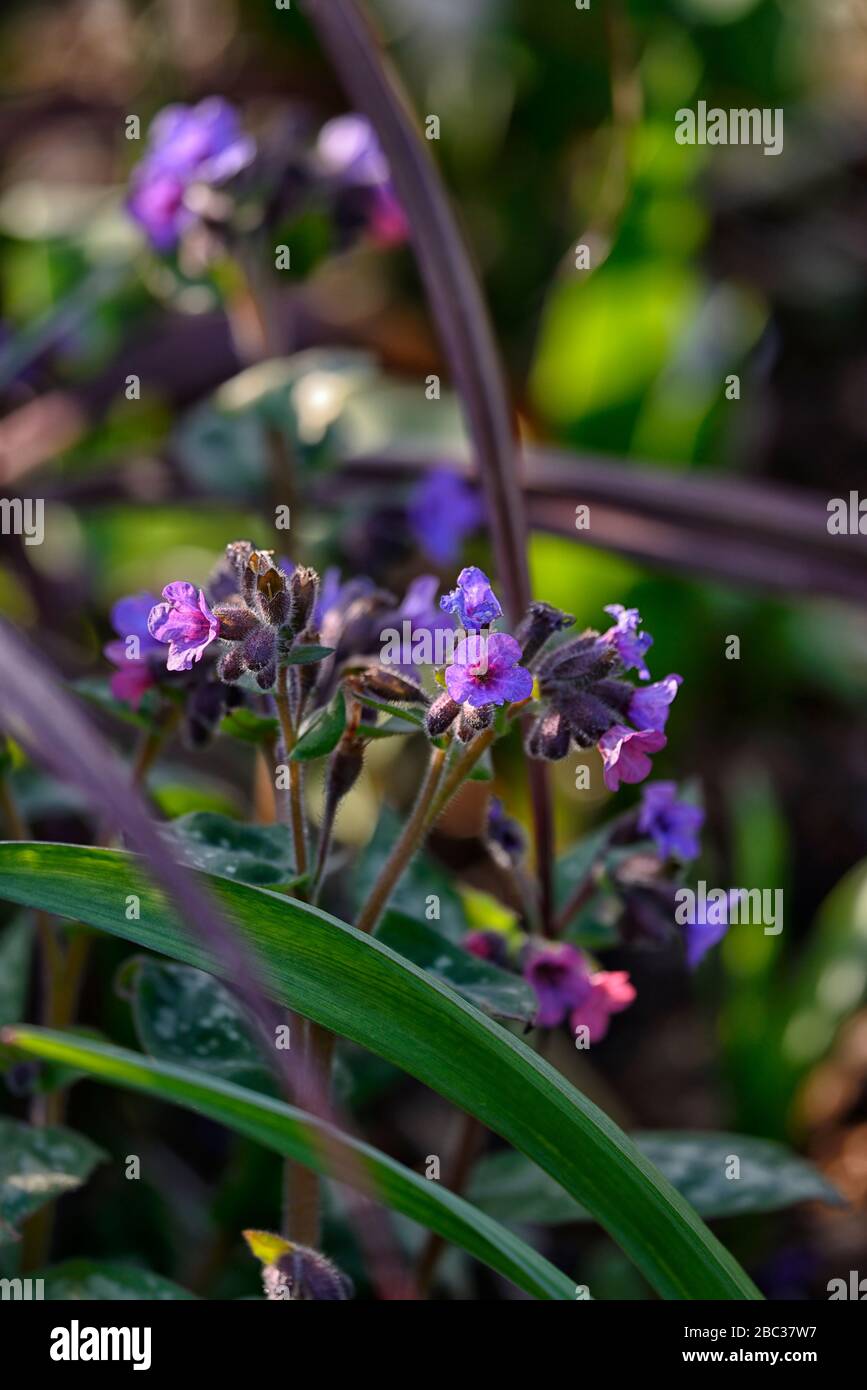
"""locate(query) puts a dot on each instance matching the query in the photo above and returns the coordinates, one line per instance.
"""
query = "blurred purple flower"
(673, 824)
(505, 832)
(135, 673)
(650, 706)
(708, 925)
(186, 144)
(631, 644)
(485, 671)
(349, 152)
(610, 993)
(473, 602)
(558, 973)
(443, 509)
(185, 622)
(624, 754)
(488, 945)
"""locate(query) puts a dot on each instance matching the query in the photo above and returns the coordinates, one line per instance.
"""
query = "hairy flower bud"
(474, 720)
(238, 556)
(549, 737)
(441, 714)
(260, 648)
(383, 684)
(306, 1275)
(236, 621)
(303, 588)
(232, 665)
(540, 622)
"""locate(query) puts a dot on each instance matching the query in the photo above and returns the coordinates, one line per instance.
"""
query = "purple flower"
(186, 144)
(558, 973)
(135, 674)
(631, 644)
(443, 509)
(485, 671)
(349, 151)
(184, 621)
(673, 824)
(649, 707)
(708, 927)
(624, 754)
(473, 602)
(504, 832)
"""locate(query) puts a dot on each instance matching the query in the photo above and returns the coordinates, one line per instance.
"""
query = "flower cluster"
(567, 987)
(194, 155)
(486, 669)
(188, 146)
(586, 699)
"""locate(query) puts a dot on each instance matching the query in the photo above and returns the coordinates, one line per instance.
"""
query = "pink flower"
(610, 993)
(184, 621)
(624, 754)
(559, 975)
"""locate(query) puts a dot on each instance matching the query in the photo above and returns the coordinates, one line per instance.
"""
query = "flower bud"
(238, 555)
(236, 621)
(541, 621)
(383, 684)
(474, 720)
(305, 1275)
(260, 648)
(549, 737)
(441, 714)
(303, 588)
(232, 666)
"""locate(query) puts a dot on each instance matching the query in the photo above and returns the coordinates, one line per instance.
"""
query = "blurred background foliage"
(556, 131)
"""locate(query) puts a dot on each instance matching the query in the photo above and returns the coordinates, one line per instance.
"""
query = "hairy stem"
(406, 846)
(296, 810)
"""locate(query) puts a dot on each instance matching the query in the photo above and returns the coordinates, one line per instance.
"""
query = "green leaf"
(37, 1165)
(260, 854)
(409, 716)
(324, 732)
(351, 984)
(423, 881)
(316, 1145)
(510, 1188)
(306, 655)
(97, 691)
(244, 724)
(491, 989)
(102, 1280)
(184, 1015)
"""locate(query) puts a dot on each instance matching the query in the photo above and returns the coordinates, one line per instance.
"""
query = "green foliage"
(352, 985)
(510, 1188)
(37, 1165)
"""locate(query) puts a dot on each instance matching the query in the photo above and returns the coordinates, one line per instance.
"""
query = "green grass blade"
(299, 1136)
(347, 982)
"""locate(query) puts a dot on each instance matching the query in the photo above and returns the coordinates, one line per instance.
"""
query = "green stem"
(406, 846)
(296, 810)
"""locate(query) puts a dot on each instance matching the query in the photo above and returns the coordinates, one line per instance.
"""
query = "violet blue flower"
(673, 824)
(631, 644)
(349, 151)
(610, 993)
(186, 144)
(710, 924)
(135, 673)
(485, 671)
(624, 754)
(650, 706)
(473, 602)
(443, 509)
(558, 973)
(185, 622)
